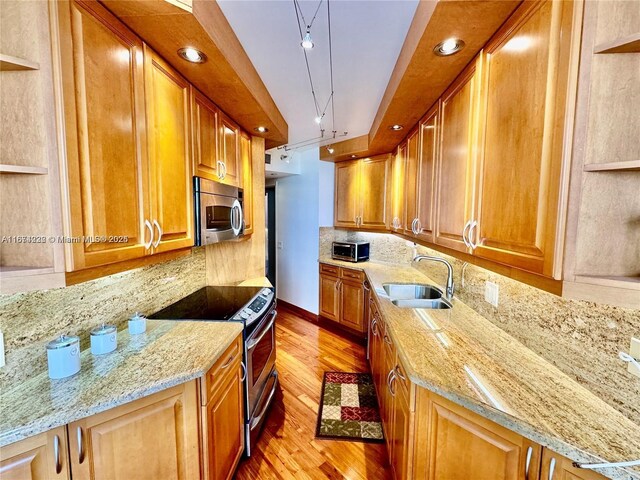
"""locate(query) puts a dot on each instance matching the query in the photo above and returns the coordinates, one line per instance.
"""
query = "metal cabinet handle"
(231, 359)
(528, 462)
(80, 445)
(390, 379)
(148, 225)
(552, 467)
(464, 234)
(244, 371)
(218, 162)
(400, 375)
(374, 327)
(472, 244)
(418, 226)
(224, 170)
(157, 242)
(56, 454)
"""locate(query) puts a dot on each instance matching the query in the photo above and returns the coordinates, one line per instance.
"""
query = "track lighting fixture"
(330, 150)
(307, 41)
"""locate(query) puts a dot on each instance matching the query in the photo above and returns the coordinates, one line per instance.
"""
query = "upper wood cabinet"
(361, 193)
(525, 76)
(205, 136)
(246, 163)
(168, 127)
(455, 172)
(41, 457)
(426, 177)
(398, 162)
(411, 186)
(105, 177)
(229, 150)
(154, 437)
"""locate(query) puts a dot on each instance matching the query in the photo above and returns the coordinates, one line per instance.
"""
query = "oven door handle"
(252, 343)
(256, 420)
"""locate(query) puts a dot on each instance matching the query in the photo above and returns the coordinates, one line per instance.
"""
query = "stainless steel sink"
(398, 291)
(436, 304)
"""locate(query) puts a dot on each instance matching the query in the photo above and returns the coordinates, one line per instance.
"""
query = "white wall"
(325, 200)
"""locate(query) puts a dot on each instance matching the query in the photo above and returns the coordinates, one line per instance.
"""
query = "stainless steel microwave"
(350, 251)
(218, 211)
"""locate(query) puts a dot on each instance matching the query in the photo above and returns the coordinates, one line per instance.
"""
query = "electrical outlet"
(491, 293)
(634, 351)
(1, 350)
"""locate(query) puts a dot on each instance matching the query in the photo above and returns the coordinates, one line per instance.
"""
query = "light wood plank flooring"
(287, 448)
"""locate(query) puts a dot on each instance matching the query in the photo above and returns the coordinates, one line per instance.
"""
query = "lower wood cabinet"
(41, 457)
(557, 467)
(343, 296)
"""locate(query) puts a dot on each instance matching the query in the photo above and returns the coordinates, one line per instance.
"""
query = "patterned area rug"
(349, 408)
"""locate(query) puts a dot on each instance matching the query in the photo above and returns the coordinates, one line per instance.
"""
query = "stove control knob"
(244, 315)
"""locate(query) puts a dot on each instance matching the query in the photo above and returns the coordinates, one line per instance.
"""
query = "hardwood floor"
(287, 448)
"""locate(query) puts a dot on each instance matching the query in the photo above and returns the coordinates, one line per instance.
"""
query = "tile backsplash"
(581, 338)
(30, 320)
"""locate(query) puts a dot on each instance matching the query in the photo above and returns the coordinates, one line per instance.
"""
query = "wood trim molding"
(300, 312)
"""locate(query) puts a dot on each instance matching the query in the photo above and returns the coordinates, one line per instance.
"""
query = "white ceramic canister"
(104, 339)
(137, 324)
(63, 356)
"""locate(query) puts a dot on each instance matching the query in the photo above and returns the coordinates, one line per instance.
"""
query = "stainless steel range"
(255, 307)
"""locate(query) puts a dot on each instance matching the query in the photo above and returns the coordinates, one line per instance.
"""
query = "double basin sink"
(416, 296)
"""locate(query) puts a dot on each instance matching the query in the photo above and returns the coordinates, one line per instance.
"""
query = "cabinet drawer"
(329, 269)
(226, 365)
(354, 274)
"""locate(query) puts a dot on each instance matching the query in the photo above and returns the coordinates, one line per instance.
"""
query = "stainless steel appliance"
(218, 211)
(255, 307)
(350, 251)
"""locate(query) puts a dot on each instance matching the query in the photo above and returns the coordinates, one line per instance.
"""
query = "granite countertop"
(463, 357)
(167, 354)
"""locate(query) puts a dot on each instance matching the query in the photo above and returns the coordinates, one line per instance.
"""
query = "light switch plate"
(634, 351)
(491, 293)
(1, 350)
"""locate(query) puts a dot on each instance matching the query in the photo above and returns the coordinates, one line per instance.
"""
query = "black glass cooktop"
(209, 303)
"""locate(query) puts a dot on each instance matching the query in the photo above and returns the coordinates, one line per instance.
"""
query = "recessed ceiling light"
(307, 42)
(330, 150)
(396, 127)
(261, 129)
(192, 55)
(353, 156)
(448, 47)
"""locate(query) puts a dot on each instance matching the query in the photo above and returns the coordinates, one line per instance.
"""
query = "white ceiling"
(367, 38)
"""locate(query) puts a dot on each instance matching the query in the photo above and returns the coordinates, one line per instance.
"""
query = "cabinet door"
(427, 174)
(247, 182)
(105, 187)
(401, 441)
(347, 194)
(396, 222)
(456, 162)
(373, 192)
(386, 397)
(168, 120)
(229, 150)
(352, 299)
(330, 297)
(154, 437)
(205, 136)
(223, 428)
(464, 445)
(557, 467)
(41, 457)
(411, 183)
(519, 178)
(376, 351)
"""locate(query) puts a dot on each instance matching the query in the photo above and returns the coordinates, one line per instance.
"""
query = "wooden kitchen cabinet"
(105, 192)
(205, 136)
(411, 185)
(401, 434)
(223, 416)
(330, 297)
(247, 182)
(557, 467)
(343, 297)
(396, 189)
(229, 150)
(352, 295)
(41, 457)
(455, 172)
(168, 127)
(361, 193)
(519, 177)
(154, 437)
(426, 175)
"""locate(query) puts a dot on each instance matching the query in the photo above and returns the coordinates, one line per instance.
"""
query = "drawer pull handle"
(528, 462)
(400, 375)
(552, 467)
(387, 340)
(56, 454)
(244, 371)
(80, 445)
(231, 358)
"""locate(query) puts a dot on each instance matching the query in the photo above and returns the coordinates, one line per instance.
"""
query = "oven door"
(261, 358)
(218, 218)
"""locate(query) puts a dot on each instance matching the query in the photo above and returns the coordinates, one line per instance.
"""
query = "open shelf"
(628, 44)
(613, 166)
(12, 64)
(5, 168)
(9, 272)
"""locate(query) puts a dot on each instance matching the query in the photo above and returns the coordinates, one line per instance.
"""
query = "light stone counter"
(462, 356)
(167, 354)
